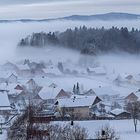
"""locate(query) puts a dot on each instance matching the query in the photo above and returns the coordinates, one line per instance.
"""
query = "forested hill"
(103, 17)
(88, 40)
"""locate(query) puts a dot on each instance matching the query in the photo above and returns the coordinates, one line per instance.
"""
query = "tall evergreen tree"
(74, 89)
(77, 89)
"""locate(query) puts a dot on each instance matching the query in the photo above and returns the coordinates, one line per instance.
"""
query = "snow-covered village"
(64, 92)
(69, 70)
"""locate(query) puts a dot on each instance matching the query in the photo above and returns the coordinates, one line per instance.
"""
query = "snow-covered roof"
(77, 101)
(12, 75)
(4, 101)
(2, 80)
(104, 115)
(23, 67)
(5, 108)
(118, 111)
(63, 94)
(129, 77)
(105, 91)
(76, 69)
(52, 70)
(53, 85)
(9, 65)
(49, 92)
(137, 93)
(90, 92)
(3, 86)
(14, 88)
(31, 84)
(137, 77)
(7, 73)
(97, 70)
(119, 78)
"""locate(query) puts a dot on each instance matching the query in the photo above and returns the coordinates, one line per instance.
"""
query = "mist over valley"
(70, 63)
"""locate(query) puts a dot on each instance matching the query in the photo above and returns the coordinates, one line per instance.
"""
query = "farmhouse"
(15, 89)
(49, 93)
(77, 106)
(89, 92)
(9, 66)
(133, 97)
(12, 78)
(96, 70)
(120, 114)
(52, 71)
(31, 85)
(63, 94)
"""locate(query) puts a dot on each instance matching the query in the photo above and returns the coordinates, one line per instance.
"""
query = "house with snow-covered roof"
(106, 90)
(31, 85)
(9, 66)
(5, 107)
(63, 94)
(15, 89)
(120, 113)
(52, 71)
(133, 97)
(96, 70)
(89, 92)
(12, 78)
(77, 106)
(49, 94)
(127, 79)
(23, 67)
(4, 86)
(25, 73)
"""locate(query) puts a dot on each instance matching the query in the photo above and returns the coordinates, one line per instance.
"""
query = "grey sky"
(12, 9)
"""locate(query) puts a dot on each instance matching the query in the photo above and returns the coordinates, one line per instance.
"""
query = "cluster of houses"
(128, 79)
(16, 94)
(60, 103)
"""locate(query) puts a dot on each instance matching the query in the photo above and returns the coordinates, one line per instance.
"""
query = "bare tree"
(26, 128)
(134, 109)
(68, 132)
(106, 133)
(19, 128)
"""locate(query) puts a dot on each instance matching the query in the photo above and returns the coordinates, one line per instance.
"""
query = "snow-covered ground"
(3, 136)
(123, 128)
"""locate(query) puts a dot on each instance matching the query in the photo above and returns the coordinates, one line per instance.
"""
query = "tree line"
(88, 40)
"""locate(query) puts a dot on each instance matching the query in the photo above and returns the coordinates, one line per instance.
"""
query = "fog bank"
(11, 33)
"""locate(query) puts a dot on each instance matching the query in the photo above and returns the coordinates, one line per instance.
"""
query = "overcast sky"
(13, 9)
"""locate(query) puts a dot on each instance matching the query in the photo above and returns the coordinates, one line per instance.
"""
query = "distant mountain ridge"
(104, 17)
(108, 16)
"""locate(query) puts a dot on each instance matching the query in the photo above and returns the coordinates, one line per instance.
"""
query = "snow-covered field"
(123, 128)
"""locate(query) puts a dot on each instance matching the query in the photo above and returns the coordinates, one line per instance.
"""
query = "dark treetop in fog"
(88, 40)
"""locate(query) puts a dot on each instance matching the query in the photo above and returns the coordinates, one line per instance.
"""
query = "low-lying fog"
(11, 33)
